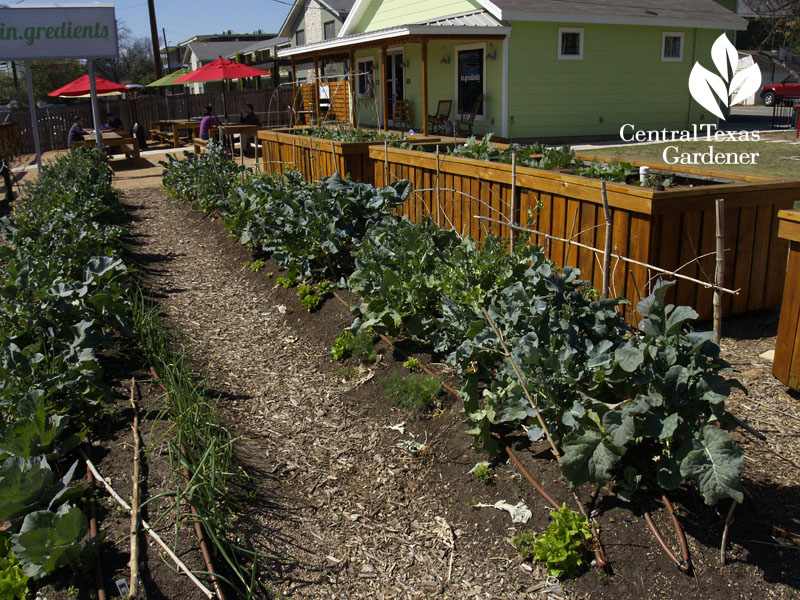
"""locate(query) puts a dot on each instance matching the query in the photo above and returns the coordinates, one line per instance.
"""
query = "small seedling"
(412, 364)
(419, 392)
(324, 288)
(256, 265)
(310, 301)
(360, 345)
(523, 542)
(482, 471)
(286, 281)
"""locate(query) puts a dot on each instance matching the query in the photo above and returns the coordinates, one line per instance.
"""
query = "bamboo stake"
(513, 214)
(147, 528)
(268, 166)
(98, 574)
(438, 191)
(719, 271)
(609, 238)
(535, 408)
(335, 164)
(385, 163)
(134, 562)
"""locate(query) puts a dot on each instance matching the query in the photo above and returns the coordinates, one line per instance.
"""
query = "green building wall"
(389, 13)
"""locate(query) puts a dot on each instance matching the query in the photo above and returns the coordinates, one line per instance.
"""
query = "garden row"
(68, 299)
(64, 292)
(475, 190)
(635, 407)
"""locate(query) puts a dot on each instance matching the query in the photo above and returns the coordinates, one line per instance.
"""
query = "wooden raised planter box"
(786, 364)
(666, 229)
(316, 158)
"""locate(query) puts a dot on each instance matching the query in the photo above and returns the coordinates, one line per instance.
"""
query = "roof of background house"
(264, 44)
(208, 51)
(641, 12)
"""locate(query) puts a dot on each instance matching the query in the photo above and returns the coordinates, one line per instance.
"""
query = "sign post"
(59, 31)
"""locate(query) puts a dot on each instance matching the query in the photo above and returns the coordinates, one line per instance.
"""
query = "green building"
(545, 68)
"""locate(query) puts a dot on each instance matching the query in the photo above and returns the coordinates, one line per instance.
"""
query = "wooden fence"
(665, 229)
(9, 139)
(272, 107)
(337, 109)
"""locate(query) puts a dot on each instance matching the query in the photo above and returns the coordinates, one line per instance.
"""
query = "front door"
(395, 89)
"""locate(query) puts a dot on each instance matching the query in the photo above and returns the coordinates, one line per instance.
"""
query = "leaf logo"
(729, 87)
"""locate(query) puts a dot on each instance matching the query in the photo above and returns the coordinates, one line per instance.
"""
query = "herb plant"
(418, 392)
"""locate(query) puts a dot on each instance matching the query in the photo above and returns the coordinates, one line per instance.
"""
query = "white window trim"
(563, 30)
(664, 35)
(359, 62)
(481, 46)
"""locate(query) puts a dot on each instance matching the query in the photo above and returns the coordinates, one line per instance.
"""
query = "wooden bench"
(199, 144)
(130, 146)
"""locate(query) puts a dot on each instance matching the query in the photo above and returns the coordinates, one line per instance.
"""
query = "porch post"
(294, 94)
(352, 81)
(384, 86)
(425, 87)
(315, 89)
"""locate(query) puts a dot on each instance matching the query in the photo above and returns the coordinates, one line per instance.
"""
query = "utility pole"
(166, 48)
(154, 37)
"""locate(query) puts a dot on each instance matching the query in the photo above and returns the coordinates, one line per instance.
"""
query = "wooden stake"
(512, 216)
(385, 163)
(609, 237)
(134, 562)
(335, 164)
(438, 191)
(719, 271)
(208, 593)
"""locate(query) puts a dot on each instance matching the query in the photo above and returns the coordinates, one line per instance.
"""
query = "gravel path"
(338, 495)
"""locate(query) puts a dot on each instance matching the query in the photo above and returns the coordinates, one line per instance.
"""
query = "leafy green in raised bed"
(350, 134)
(360, 345)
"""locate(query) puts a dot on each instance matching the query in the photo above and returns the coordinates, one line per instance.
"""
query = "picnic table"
(112, 139)
(227, 132)
(169, 130)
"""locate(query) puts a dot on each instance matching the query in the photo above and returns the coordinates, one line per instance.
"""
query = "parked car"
(788, 88)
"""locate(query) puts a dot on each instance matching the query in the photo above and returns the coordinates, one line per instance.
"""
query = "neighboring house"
(311, 21)
(262, 55)
(199, 50)
(546, 68)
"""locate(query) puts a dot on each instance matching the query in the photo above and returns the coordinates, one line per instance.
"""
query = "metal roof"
(475, 18)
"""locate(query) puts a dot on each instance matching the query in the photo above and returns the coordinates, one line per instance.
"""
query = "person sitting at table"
(209, 120)
(76, 132)
(248, 117)
(112, 123)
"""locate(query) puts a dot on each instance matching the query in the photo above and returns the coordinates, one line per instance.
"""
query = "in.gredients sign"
(58, 31)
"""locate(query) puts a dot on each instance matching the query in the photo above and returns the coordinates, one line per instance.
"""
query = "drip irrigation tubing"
(600, 559)
(683, 563)
(198, 530)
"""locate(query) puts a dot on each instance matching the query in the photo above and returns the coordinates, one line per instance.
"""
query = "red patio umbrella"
(81, 87)
(221, 68)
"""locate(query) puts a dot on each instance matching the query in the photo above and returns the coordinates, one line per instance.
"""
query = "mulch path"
(349, 513)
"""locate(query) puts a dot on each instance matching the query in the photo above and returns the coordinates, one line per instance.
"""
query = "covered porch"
(462, 60)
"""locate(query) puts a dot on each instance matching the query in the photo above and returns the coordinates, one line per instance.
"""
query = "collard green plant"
(49, 540)
(13, 581)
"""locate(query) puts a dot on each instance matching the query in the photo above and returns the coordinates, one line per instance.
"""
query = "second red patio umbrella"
(81, 87)
(222, 68)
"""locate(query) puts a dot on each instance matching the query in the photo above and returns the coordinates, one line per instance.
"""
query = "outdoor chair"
(436, 123)
(465, 123)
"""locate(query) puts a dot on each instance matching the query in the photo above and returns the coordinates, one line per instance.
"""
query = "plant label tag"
(122, 587)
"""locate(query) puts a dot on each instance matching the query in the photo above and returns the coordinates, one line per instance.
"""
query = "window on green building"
(471, 78)
(330, 30)
(300, 37)
(570, 43)
(671, 46)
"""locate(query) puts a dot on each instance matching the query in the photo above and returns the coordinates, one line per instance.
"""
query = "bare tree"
(135, 62)
(775, 31)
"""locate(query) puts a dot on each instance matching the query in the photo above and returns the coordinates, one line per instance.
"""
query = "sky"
(184, 18)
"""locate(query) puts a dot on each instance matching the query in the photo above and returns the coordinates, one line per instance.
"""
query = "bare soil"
(347, 512)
